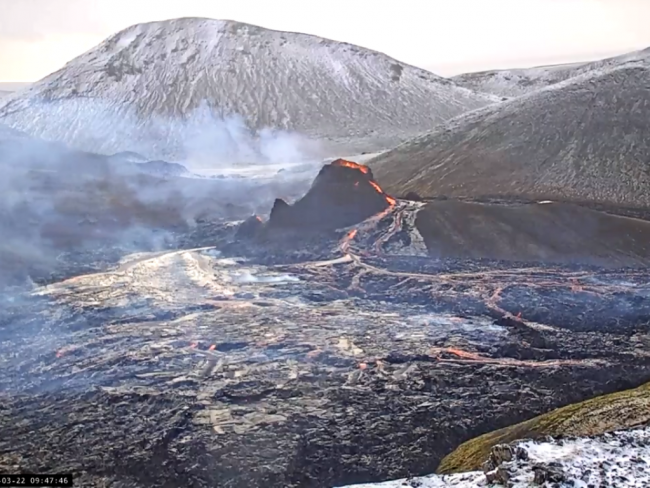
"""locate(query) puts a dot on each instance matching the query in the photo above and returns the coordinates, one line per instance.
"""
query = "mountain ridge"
(165, 81)
(521, 81)
(578, 140)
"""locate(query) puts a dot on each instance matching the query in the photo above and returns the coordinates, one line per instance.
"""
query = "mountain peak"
(153, 87)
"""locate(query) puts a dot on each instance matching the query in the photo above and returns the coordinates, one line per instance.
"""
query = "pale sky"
(448, 37)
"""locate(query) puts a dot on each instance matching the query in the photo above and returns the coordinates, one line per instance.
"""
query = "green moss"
(602, 414)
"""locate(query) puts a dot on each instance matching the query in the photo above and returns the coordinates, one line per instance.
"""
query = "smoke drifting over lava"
(55, 200)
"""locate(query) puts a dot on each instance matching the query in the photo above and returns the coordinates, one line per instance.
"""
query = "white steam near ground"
(202, 138)
(55, 199)
(52, 199)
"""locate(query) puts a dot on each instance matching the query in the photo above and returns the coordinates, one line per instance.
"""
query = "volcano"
(343, 193)
(315, 361)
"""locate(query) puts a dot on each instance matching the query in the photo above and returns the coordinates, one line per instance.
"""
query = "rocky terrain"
(473, 303)
(517, 82)
(577, 445)
(195, 83)
(550, 232)
(271, 354)
(618, 459)
(580, 140)
(597, 416)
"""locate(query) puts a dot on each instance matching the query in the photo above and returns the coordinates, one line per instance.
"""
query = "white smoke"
(53, 198)
(202, 137)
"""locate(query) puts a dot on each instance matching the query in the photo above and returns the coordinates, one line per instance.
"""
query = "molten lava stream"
(345, 242)
(391, 201)
(376, 186)
(463, 354)
(508, 362)
(372, 222)
(350, 164)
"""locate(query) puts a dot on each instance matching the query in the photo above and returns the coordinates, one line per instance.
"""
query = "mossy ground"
(602, 414)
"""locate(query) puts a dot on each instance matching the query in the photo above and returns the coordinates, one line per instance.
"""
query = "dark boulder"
(414, 197)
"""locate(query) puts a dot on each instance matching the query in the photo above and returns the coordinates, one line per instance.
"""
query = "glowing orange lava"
(391, 201)
(345, 243)
(350, 164)
(508, 362)
(212, 347)
(376, 186)
(356, 184)
(463, 354)
(193, 345)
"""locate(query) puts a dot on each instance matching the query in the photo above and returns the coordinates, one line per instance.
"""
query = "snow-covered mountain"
(7, 88)
(516, 82)
(12, 86)
(167, 89)
(584, 139)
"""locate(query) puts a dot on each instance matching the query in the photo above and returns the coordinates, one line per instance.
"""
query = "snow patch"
(248, 277)
(126, 39)
(620, 459)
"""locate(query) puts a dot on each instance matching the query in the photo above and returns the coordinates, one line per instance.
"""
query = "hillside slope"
(166, 89)
(517, 82)
(580, 140)
(606, 413)
(554, 233)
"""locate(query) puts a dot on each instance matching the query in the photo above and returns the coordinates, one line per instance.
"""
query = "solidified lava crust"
(356, 358)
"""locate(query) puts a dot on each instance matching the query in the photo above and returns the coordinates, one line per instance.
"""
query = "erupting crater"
(343, 194)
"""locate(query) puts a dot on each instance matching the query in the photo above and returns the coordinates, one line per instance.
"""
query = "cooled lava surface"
(234, 362)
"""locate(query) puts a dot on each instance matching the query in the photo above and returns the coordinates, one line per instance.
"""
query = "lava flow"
(391, 201)
(349, 164)
(345, 242)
